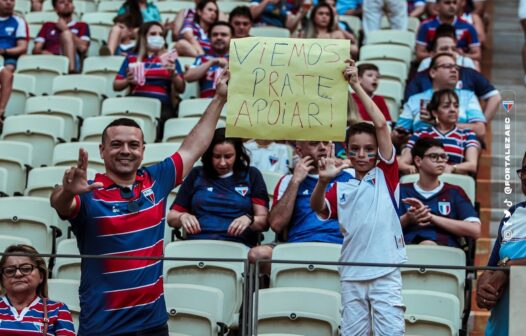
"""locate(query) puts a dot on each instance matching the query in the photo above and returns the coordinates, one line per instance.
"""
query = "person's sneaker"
(104, 51)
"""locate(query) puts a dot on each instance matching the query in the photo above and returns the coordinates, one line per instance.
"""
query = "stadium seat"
(23, 6)
(386, 52)
(44, 68)
(67, 268)
(412, 24)
(87, 87)
(101, 19)
(450, 281)
(430, 313)
(67, 108)
(109, 6)
(42, 181)
(41, 132)
(268, 31)
(66, 291)
(31, 218)
(6, 241)
(194, 309)
(392, 37)
(271, 180)
(304, 311)
(67, 155)
(307, 275)
(226, 276)
(390, 70)
(106, 67)
(227, 6)
(191, 89)
(98, 36)
(464, 181)
(168, 9)
(15, 157)
(146, 109)
(3, 181)
(156, 152)
(40, 17)
(92, 128)
(176, 129)
(23, 88)
(193, 107)
(392, 91)
(354, 23)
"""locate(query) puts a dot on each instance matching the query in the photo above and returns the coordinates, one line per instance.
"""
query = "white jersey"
(367, 212)
(273, 158)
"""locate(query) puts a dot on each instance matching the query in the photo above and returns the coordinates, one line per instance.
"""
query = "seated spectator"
(444, 75)
(468, 43)
(416, 8)
(321, 24)
(160, 70)
(349, 7)
(208, 67)
(268, 156)
(368, 76)
(24, 304)
(193, 37)
(275, 13)
(472, 18)
(240, 19)
(141, 11)
(13, 37)
(127, 42)
(291, 216)
(460, 144)
(65, 37)
(225, 198)
(445, 41)
(434, 212)
(347, 31)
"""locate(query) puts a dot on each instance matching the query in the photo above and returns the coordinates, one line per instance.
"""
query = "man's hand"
(75, 179)
(302, 169)
(351, 73)
(62, 25)
(487, 294)
(190, 223)
(330, 167)
(238, 226)
(222, 84)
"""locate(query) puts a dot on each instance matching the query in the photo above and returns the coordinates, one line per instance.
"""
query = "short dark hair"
(242, 160)
(423, 144)
(434, 103)
(121, 122)
(126, 19)
(220, 23)
(240, 11)
(437, 56)
(444, 30)
(358, 128)
(362, 68)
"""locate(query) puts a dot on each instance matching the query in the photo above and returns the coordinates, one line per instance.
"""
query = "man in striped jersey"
(122, 213)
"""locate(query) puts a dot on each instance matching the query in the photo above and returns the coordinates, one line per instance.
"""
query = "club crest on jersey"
(242, 190)
(444, 208)
(148, 193)
(273, 160)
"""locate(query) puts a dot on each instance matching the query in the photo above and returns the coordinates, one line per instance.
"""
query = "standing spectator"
(122, 213)
(368, 76)
(275, 13)
(321, 23)
(434, 212)
(268, 156)
(240, 19)
(225, 198)
(349, 7)
(141, 11)
(157, 77)
(493, 287)
(373, 10)
(461, 144)
(65, 37)
(208, 67)
(13, 35)
(522, 18)
(468, 43)
(194, 39)
(24, 304)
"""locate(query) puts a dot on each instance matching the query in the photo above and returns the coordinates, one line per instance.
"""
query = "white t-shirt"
(273, 158)
(367, 211)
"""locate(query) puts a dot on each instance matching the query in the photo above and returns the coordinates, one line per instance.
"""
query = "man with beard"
(208, 67)
(65, 37)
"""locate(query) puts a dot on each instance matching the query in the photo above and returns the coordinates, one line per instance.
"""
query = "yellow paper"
(287, 89)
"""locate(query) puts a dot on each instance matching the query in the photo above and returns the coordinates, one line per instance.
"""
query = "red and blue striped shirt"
(466, 34)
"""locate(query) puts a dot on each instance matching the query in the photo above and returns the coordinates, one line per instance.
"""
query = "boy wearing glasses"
(434, 212)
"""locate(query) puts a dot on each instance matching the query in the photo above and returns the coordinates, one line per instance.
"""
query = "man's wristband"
(251, 218)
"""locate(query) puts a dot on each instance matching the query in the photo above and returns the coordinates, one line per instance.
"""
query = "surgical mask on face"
(155, 42)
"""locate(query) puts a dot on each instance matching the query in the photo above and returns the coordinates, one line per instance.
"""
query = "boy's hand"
(330, 167)
(351, 73)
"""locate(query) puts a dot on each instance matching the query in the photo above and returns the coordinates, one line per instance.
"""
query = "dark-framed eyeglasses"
(521, 171)
(25, 269)
(447, 66)
(437, 156)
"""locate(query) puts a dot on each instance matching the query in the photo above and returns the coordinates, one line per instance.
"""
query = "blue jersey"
(304, 225)
(511, 243)
(12, 28)
(446, 201)
(470, 79)
(466, 34)
(124, 296)
(216, 202)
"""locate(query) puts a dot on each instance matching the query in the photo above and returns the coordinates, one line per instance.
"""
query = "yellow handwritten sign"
(287, 89)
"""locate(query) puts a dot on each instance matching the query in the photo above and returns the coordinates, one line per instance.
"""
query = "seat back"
(392, 91)
(304, 311)
(268, 31)
(306, 275)
(23, 87)
(66, 291)
(92, 128)
(95, 19)
(15, 157)
(176, 129)
(40, 17)
(41, 132)
(6, 240)
(193, 107)
(67, 154)
(191, 90)
(105, 67)
(42, 181)
(397, 53)
(87, 87)
(44, 68)
(67, 268)
(3, 180)
(157, 152)
(392, 36)
(226, 276)
(271, 181)
(193, 309)
(170, 8)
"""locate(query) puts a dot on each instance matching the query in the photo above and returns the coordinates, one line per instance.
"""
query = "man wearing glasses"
(435, 212)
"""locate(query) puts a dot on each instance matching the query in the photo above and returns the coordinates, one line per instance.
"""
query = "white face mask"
(155, 42)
